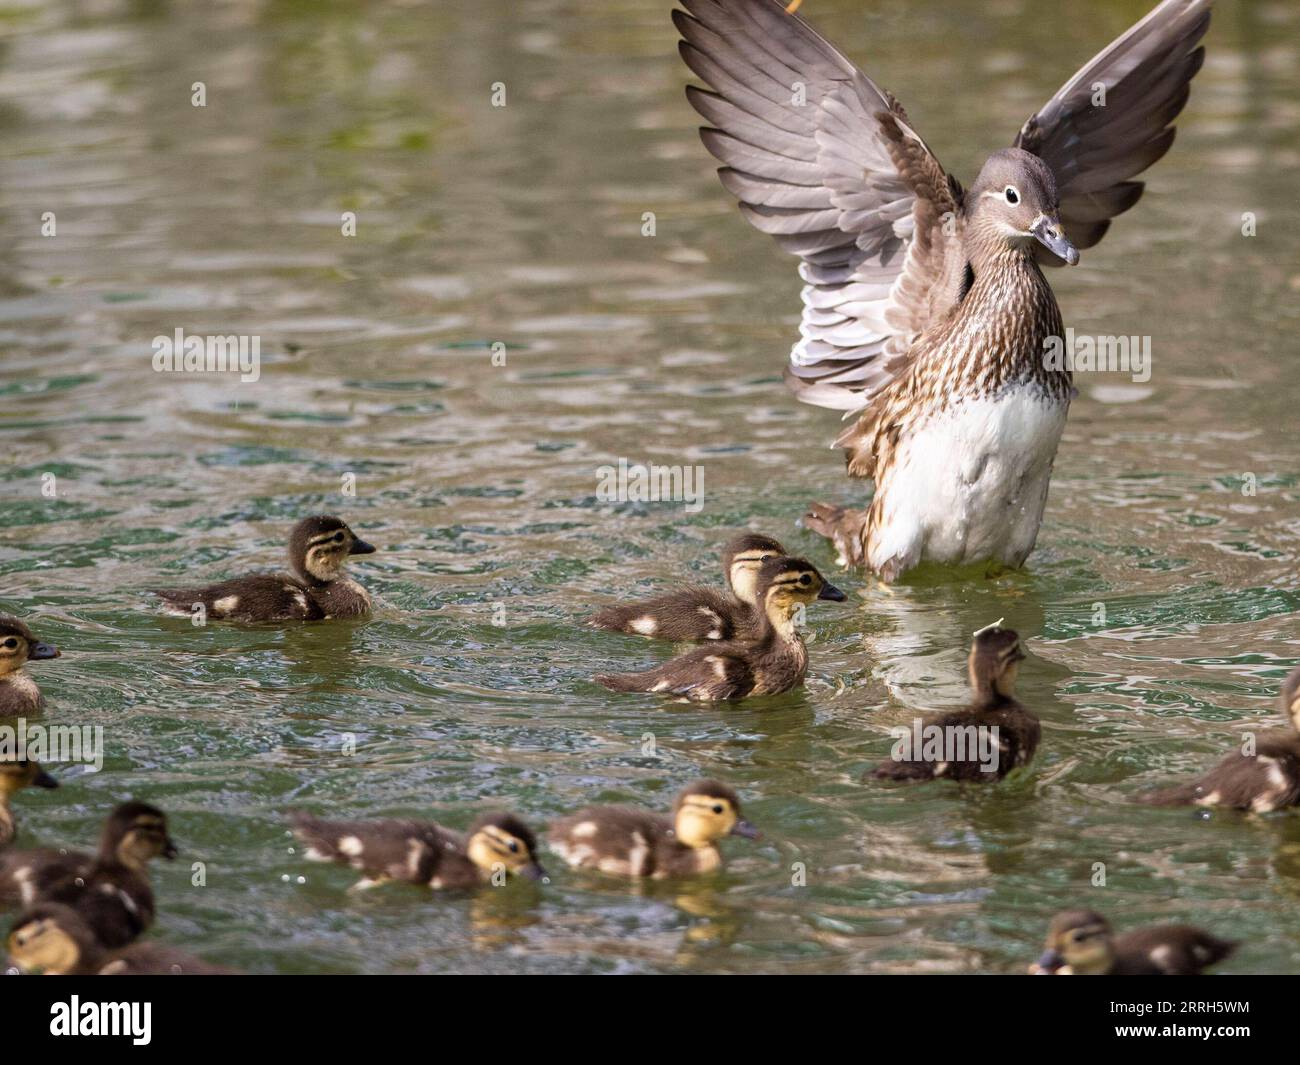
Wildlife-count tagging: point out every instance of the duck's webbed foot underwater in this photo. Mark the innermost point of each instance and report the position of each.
(846, 529)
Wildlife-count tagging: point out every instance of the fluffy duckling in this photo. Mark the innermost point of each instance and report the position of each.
(55, 940)
(697, 613)
(1081, 943)
(14, 776)
(995, 658)
(627, 841)
(318, 549)
(775, 661)
(1261, 782)
(110, 889)
(421, 852)
(18, 692)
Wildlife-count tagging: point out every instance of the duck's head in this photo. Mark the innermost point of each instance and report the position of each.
(22, 773)
(1078, 944)
(785, 584)
(995, 657)
(742, 558)
(706, 811)
(319, 547)
(18, 645)
(1014, 203)
(135, 834)
(1291, 697)
(50, 939)
(502, 841)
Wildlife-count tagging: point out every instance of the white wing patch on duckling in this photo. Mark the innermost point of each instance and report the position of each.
(639, 853)
(577, 855)
(1278, 786)
(414, 850)
(584, 830)
(26, 889)
(1162, 956)
(227, 604)
(714, 633)
(646, 626)
(351, 846)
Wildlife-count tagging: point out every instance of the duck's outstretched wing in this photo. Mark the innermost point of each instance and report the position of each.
(825, 161)
(1113, 119)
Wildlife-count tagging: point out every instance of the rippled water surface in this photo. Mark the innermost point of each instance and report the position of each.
(1159, 606)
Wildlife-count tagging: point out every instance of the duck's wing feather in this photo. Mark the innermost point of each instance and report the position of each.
(1095, 148)
(824, 160)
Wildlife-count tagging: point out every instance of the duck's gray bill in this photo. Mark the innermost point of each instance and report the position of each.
(1052, 236)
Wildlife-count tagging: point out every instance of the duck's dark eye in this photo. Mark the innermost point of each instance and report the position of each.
(1011, 194)
(717, 809)
(338, 537)
(514, 847)
(11, 643)
(805, 579)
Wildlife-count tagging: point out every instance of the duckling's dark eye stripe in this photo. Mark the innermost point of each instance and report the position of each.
(503, 844)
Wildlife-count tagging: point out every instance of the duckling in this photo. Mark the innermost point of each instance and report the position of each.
(1261, 782)
(18, 692)
(14, 776)
(697, 613)
(318, 548)
(775, 661)
(995, 658)
(110, 889)
(627, 841)
(1081, 943)
(55, 940)
(421, 852)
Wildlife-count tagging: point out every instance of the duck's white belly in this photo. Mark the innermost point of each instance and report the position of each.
(970, 484)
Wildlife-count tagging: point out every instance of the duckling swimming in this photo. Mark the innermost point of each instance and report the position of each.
(110, 890)
(317, 588)
(55, 940)
(775, 661)
(700, 613)
(14, 776)
(1081, 943)
(421, 852)
(1267, 780)
(19, 694)
(627, 841)
(1011, 731)
(925, 306)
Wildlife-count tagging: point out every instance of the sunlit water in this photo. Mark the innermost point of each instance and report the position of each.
(1159, 606)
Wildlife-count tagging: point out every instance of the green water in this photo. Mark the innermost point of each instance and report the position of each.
(522, 225)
